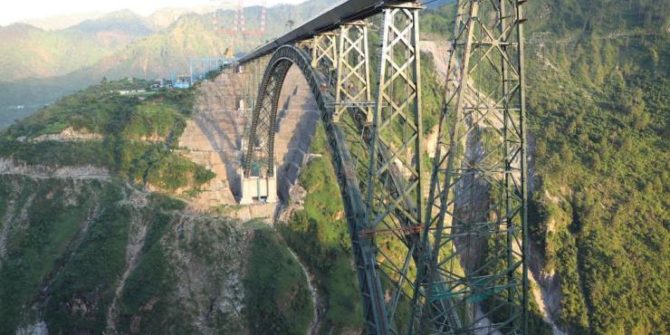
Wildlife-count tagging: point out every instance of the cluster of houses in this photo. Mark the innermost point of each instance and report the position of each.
(180, 82)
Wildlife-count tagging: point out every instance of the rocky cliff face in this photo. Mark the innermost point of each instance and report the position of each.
(91, 243)
(84, 255)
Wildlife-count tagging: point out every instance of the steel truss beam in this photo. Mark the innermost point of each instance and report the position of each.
(252, 74)
(476, 233)
(329, 20)
(394, 182)
(259, 156)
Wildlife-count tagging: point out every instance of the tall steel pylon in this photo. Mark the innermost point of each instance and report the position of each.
(394, 185)
(476, 270)
(353, 89)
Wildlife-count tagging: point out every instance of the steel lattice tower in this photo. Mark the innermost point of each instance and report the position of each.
(475, 277)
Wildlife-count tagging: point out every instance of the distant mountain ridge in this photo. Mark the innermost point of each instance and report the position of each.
(59, 22)
(38, 66)
(28, 51)
(120, 21)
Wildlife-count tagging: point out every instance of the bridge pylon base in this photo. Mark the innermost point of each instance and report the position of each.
(255, 189)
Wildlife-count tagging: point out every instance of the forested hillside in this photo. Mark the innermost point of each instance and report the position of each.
(96, 235)
(599, 116)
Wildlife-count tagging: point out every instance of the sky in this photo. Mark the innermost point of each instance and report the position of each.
(16, 11)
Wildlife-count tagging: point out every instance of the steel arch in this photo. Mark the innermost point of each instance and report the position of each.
(264, 119)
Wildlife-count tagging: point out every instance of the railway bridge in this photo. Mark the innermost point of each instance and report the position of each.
(438, 233)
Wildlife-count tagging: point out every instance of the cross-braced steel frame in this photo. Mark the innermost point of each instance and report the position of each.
(441, 252)
(395, 172)
(259, 156)
(324, 55)
(477, 199)
(352, 88)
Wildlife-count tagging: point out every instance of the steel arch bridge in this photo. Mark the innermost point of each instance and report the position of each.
(438, 250)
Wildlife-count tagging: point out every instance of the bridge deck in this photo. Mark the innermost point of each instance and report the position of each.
(344, 11)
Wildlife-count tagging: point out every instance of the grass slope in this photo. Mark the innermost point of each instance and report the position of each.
(320, 236)
(138, 135)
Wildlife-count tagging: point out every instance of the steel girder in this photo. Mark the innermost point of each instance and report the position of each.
(329, 20)
(395, 169)
(477, 203)
(260, 148)
(252, 74)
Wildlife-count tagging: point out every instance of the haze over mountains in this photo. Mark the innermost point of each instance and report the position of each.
(61, 21)
(38, 66)
(163, 17)
(30, 52)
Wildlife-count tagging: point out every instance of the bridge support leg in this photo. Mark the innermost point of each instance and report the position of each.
(252, 74)
(258, 189)
(324, 54)
(259, 162)
(394, 188)
(479, 177)
(352, 89)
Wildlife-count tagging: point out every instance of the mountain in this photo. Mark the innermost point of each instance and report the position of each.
(96, 235)
(163, 18)
(27, 51)
(121, 22)
(38, 66)
(96, 231)
(602, 123)
(119, 45)
(60, 22)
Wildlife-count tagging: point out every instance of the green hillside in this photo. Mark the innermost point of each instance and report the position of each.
(29, 52)
(599, 116)
(124, 122)
(96, 237)
(40, 67)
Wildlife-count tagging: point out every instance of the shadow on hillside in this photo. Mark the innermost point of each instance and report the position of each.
(299, 107)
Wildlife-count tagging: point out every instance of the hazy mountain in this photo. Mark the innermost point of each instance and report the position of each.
(120, 45)
(59, 22)
(27, 51)
(163, 18)
(123, 22)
